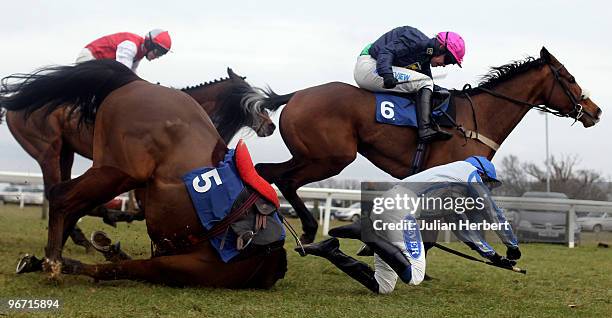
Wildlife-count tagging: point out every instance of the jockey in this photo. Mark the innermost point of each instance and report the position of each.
(405, 257)
(400, 60)
(127, 48)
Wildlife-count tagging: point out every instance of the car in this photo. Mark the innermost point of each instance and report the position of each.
(30, 194)
(352, 213)
(596, 222)
(544, 226)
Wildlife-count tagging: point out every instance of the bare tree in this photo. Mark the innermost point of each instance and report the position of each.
(565, 177)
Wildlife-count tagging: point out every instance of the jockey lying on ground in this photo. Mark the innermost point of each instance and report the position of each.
(400, 253)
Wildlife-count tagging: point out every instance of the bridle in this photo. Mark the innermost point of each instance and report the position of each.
(577, 111)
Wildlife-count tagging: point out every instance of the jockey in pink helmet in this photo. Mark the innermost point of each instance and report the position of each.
(406, 55)
(128, 48)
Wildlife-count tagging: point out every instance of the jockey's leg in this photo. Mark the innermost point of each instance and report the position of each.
(428, 132)
(359, 271)
(350, 231)
(401, 250)
(412, 82)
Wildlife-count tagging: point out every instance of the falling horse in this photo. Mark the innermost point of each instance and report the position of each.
(149, 136)
(325, 126)
(53, 138)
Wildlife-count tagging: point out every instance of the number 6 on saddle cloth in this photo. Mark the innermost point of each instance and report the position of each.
(217, 191)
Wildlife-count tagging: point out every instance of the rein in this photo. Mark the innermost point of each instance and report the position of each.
(577, 112)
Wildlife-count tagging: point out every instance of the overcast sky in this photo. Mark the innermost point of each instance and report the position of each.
(292, 45)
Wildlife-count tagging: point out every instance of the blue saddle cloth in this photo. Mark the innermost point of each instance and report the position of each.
(213, 191)
(400, 111)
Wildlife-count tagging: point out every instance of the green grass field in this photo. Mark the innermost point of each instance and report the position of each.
(560, 282)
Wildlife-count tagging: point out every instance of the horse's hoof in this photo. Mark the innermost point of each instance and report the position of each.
(53, 269)
(100, 241)
(28, 264)
(307, 238)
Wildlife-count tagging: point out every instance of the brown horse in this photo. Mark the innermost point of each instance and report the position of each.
(149, 136)
(325, 126)
(53, 139)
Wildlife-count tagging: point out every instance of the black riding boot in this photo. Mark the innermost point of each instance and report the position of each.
(359, 271)
(393, 257)
(350, 231)
(428, 132)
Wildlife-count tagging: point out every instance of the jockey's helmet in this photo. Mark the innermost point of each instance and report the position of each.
(486, 169)
(158, 40)
(454, 44)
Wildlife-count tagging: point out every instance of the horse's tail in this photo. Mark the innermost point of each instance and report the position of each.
(82, 86)
(258, 98)
(274, 101)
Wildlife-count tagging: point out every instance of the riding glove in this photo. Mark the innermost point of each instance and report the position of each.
(389, 81)
(501, 261)
(513, 253)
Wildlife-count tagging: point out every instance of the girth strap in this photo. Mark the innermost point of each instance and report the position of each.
(220, 227)
(485, 140)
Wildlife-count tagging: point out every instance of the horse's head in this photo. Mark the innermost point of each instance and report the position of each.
(233, 104)
(566, 96)
(258, 117)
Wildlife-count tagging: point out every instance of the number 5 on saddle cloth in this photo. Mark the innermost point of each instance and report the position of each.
(217, 191)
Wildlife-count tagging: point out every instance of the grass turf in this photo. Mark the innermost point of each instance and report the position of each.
(560, 282)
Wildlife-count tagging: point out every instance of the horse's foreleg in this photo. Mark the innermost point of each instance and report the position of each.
(200, 268)
(70, 200)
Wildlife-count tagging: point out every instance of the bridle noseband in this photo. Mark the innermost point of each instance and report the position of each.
(578, 110)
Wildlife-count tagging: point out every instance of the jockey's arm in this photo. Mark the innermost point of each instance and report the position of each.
(471, 238)
(495, 215)
(126, 52)
(384, 61)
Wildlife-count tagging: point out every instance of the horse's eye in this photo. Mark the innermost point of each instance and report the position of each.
(572, 80)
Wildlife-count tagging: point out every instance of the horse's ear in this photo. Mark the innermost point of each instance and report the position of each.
(545, 55)
(233, 75)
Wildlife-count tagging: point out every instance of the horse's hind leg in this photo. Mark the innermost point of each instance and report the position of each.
(281, 175)
(70, 200)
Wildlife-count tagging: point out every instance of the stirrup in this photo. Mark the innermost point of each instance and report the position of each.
(431, 135)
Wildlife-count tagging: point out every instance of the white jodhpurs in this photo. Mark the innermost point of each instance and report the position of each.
(367, 78)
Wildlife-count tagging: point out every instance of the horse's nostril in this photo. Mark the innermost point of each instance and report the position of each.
(598, 112)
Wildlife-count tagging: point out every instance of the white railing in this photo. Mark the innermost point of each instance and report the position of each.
(519, 203)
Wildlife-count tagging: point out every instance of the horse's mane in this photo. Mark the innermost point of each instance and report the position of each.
(500, 74)
(240, 106)
(201, 85)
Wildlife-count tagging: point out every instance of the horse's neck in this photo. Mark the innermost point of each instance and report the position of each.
(207, 96)
(497, 117)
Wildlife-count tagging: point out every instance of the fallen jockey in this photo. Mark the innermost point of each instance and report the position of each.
(400, 253)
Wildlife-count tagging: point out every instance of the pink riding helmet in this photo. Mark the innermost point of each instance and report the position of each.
(454, 43)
